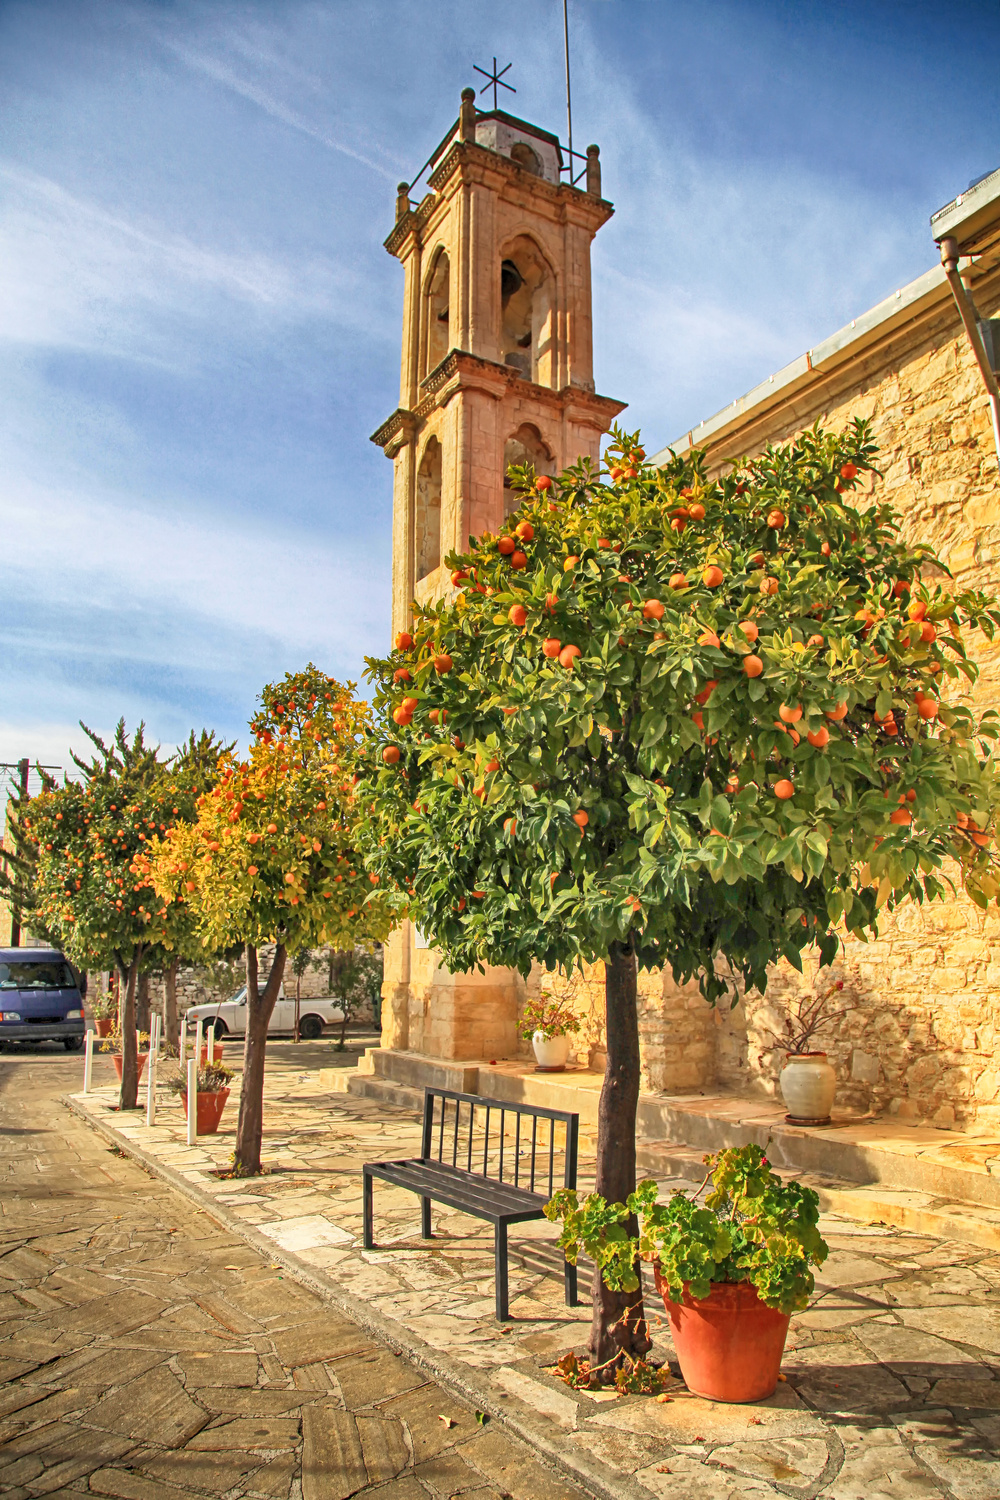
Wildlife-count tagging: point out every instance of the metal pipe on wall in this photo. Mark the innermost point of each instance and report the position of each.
(950, 257)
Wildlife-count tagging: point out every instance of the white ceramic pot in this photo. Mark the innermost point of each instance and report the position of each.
(808, 1084)
(551, 1052)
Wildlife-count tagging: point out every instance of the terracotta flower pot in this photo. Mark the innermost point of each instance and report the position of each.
(116, 1058)
(104, 1025)
(550, 1052)
(216, 1054)
(210, 1107)
(729, 1345)
(808, 1083)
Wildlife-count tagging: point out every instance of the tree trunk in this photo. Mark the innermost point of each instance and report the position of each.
(126, 1015)
(619, 1321)
(142, 1003)
(260, 1007)
(171, 1024)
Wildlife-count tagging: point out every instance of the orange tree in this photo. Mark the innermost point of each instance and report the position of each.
(270, 857)
(88, 839)
(673, 721)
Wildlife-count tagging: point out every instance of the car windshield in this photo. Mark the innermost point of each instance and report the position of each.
(53, 975)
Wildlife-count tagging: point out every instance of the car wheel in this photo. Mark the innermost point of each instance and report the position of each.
(221, 1030)
(72, 1043)
(310, 1028)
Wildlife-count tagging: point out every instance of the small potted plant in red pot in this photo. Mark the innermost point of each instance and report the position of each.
(104, 1009)
(731, 1273)
(213, 1091)
(113, 1043)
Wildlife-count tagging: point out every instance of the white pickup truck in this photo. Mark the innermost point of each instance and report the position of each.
(230, 1017)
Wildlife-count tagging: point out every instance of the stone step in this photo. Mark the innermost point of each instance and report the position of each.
(870, 1203)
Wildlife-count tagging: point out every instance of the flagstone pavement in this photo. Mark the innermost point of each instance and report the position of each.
(148, 1353)
(892, 1377)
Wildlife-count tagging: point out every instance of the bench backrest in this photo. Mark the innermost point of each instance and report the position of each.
(514, 1143)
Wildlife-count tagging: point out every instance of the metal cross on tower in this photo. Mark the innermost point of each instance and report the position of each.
(494, 80)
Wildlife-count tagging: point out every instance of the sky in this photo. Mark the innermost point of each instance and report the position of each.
(199, 326)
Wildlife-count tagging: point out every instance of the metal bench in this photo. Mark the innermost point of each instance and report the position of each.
(450, 1172)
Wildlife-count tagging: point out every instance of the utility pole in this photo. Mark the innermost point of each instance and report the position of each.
(15, 914)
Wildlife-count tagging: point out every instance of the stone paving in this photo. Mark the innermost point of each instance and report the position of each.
(892, 1377)
(149, 1353)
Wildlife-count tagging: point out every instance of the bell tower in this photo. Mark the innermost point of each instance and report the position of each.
(497, 356)
(496, 369)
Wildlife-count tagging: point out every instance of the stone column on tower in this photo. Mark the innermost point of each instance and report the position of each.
(496, 369)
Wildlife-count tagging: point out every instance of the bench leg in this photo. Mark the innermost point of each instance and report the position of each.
(569, 1277)
(500, 1261)
(366, 1213)
(425, 1219)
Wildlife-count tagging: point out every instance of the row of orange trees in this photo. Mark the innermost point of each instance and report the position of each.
(658, 720)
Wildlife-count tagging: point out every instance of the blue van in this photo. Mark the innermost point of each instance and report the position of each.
(40, 998)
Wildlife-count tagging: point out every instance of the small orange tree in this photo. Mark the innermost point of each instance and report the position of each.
(271, 857)
(89, 838)
(668, 721)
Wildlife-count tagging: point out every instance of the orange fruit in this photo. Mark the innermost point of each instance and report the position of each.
(581, 819)
(783, 790)
(443, 663)
(826, 549)
(712, 576)
(404, 641)
(678, 581)
(518, 560)
(510, 827)
(698, 719)
(696, 512)
(409, 704)
(570, 563)
(753, 666)
(776, 519)
(815, 640)
(517, 614)
(709, 638)
(506, 545)
(927, 708)
(749, 629)
(795, 736)
(390, 755)
(678, 524)
(790, 713)
(838, 713)
(652, 610)
(818, 738)
(543, 483)
(706, 692)
(917, 609)
(401, 717)
(982, 839)
(901, 817)
(252, 870)
(525, 531)
(402, 674)
(568, 655)
(768, 586)
(458, 575)
(848, 471)
(551, 647)
(928, 632)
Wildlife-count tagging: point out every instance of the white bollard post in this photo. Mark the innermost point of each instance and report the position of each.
(181, 1040)
(154, 1042)
(210, 1042)
(192, 1081)
(88, 1060)
(198, 1042)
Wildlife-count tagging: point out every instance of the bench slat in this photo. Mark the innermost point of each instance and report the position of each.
(483, 1197)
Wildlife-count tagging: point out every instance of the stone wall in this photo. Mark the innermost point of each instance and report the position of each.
(919, 1032)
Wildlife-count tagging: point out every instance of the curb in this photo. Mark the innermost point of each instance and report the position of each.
(543, 1437)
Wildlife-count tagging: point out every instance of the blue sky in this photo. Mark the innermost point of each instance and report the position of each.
(199, 326)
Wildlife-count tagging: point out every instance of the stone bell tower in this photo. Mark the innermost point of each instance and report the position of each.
(496, 368)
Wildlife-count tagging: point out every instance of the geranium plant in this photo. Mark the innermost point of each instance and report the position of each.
(664, 720)
(753, 1227)
(549, 1017)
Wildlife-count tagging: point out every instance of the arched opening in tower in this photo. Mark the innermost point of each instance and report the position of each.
(427, 530)
(436, 334)
(526, 298)
(525, 446)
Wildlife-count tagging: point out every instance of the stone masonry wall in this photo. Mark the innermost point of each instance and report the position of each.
(919, 1039)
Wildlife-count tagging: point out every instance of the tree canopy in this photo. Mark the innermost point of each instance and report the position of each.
(708, 720)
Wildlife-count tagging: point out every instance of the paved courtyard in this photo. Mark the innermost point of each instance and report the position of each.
(148, 1352)
(892, 1378)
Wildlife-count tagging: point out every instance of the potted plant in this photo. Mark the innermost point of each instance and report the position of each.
(113, 1043)
(731, 1273)
(808, 1081)
(547, 1024)
(104, 1010)
(213, 1091)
